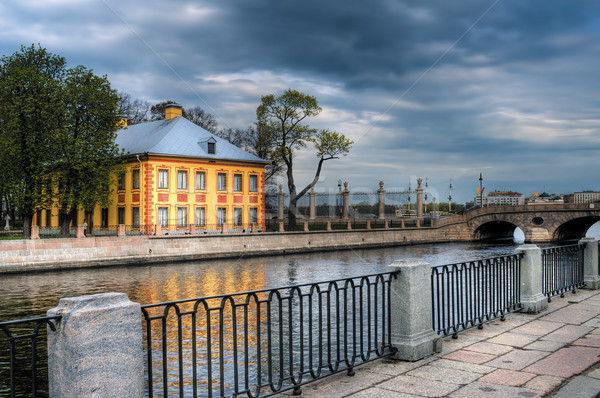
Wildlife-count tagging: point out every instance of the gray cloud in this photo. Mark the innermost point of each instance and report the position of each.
(516, 98)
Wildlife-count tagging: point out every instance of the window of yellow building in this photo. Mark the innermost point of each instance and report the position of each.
(135, 179)
(222, 182)
(237, 182)
(221, 216)
(182, 177)
(135, 216)
(253, 215)
(163, 216)
(253, 183)
(237, 217)
(200, 216)
(163, 179)
(121, 182)
(104, 218)
(200, 180)
(182, 216)
(121, 215)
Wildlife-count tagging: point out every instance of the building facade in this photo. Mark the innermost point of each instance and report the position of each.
(586, 197)
(177, 174)
(499, 198)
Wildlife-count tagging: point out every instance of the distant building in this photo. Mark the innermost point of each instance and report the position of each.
(586, 197)
(545, 198)
(500, 198)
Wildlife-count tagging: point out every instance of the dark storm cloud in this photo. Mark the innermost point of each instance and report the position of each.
(439, 89)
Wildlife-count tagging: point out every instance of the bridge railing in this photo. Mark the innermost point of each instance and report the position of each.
(266, 341)
(562, 269)
(470, 293)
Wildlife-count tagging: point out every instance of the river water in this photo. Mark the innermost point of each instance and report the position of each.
(30, 295)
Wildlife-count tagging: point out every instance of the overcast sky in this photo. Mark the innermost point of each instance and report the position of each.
(431, 89)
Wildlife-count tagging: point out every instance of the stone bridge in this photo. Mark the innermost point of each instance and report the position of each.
(539, 222)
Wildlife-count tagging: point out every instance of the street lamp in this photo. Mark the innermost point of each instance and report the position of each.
(338, 201)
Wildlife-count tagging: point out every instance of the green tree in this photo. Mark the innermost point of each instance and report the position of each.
(30, 89)
(86, 153)
(281, 129)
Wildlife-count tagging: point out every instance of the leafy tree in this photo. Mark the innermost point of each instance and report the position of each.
(136, 111)
(202, 118)
(87, 153)
(30, 89)
(282, 131)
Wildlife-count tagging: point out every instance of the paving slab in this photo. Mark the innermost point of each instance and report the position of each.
(518, 359)
(469, 367)
(595, 373)
(469, 356)
(448, 375)
(567, 333)
(507, 377)
(567, 315)
(380, 393)
(566, 362)
(341, 385)
(489, 348)
(544, 383)
(544, 345)
(594, 323)
(392, 367)
(418, 386)
(580, 387)
(589, 340)
(537, 328)
(449, 344)
(488, 390)
(513, 339)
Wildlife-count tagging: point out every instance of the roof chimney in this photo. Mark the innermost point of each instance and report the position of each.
(172, 111)
(122, 121)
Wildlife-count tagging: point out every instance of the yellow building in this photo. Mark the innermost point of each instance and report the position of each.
(177, 174)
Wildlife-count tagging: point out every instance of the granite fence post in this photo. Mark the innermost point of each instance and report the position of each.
(532, 298)
(412, 332)
(590, 263)
(96, 350)
(35, 232)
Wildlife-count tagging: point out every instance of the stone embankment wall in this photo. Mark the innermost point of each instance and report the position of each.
(49, 254)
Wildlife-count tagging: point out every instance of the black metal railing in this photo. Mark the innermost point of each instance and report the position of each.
(264, 342)
(23, 357)
(470, 293)
(562, 269)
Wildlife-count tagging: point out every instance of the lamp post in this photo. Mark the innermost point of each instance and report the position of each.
(338, 201)
(480, 190)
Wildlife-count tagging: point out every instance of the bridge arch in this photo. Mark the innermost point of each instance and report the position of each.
(575, 228)
(495, 230)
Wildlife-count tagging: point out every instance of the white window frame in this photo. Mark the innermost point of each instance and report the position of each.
(253, 183)
(253, 215)
(163, 179)
(182, 179)
(200, 216)
(182, 217)
(238, 184)
(163, 216)
(221, 181)
(221, 216)
(200, 180)
(135, 217)
(238, 214)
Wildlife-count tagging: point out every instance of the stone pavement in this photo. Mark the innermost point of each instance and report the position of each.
(552, 354)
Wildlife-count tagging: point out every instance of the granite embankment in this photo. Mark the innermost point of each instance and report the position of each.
(51, 254)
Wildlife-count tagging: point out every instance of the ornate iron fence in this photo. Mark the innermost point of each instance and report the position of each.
(23, 357)
(562, 270)
(468, 294)
(264, 342)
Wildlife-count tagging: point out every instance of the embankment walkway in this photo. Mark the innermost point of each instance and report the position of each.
(551, 354)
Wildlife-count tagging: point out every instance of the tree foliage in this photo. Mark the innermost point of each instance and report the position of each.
(56, 132)
(282, 132)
